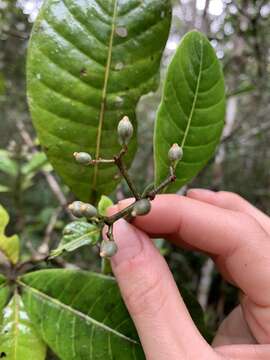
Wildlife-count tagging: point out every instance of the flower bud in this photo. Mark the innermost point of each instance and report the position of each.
(88, 210)
(175, 153)
(125, 130)
(76, 208)
(82, 157)
(108, 248)
(142, 207)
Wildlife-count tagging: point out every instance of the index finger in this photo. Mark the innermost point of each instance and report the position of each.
(235, 238)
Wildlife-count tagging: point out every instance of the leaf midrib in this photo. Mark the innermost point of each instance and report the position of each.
(194, 99)
(76, 312)
(104, 94)
(16, 321)
(90, 233)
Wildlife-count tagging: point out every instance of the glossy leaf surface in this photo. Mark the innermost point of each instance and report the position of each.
(18, 338)
(89, 62)
(76, 235)
(192, 109)
(9, 246)
(80, 315)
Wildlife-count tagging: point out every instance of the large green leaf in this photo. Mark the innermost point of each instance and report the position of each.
(89, 62)
(80, 315)
(18, 338)
(9, 246)
(192, 109)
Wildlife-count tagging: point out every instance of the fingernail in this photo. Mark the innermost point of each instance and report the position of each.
(119, 206)
(128, 240)
(126, 201)
(200, 191)
(112, 210)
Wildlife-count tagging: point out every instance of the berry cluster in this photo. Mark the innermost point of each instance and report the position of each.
(142, 203)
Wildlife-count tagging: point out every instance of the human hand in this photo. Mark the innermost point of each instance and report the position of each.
(237, 237)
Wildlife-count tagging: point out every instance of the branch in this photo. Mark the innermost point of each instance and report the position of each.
(45, 245)
(17, 34)
(123, 170)
(53, 184)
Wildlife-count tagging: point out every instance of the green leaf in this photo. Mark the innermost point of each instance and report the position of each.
(76, 235)
(192, 109)
(104, 203)
(9, 246)
(18, 338)
(37, 161)
(80, 315)
(7, 165)
(89, 62)
(4, 293)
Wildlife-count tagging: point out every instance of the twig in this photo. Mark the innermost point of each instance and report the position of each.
(123, 170)
(171, 178)
(53, 184)
(149, 195)
(17, 34)
(121, 214)
(45, 245)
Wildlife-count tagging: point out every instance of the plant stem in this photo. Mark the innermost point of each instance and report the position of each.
(149, 195)
(123, 170)
(171, 178)
(121, 214)
(102, 161)
(106, 268)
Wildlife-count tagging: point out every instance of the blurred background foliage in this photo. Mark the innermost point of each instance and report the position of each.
(36, 198)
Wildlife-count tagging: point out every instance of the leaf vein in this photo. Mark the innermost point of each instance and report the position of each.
(104, 94)
(63, 37)
(82, 25)
(75, 312)
(195, 98)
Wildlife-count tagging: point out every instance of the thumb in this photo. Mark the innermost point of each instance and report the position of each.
(152, 298)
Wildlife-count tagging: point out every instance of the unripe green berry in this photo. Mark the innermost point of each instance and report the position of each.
(76, 208)
(88, 210)
(175, 153)
(108, 248)
(125, 130)
(142, 207)
(82, 157)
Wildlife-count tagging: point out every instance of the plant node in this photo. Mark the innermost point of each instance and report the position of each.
(142, 204)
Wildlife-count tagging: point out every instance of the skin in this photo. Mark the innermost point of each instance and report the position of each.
(237, 237)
